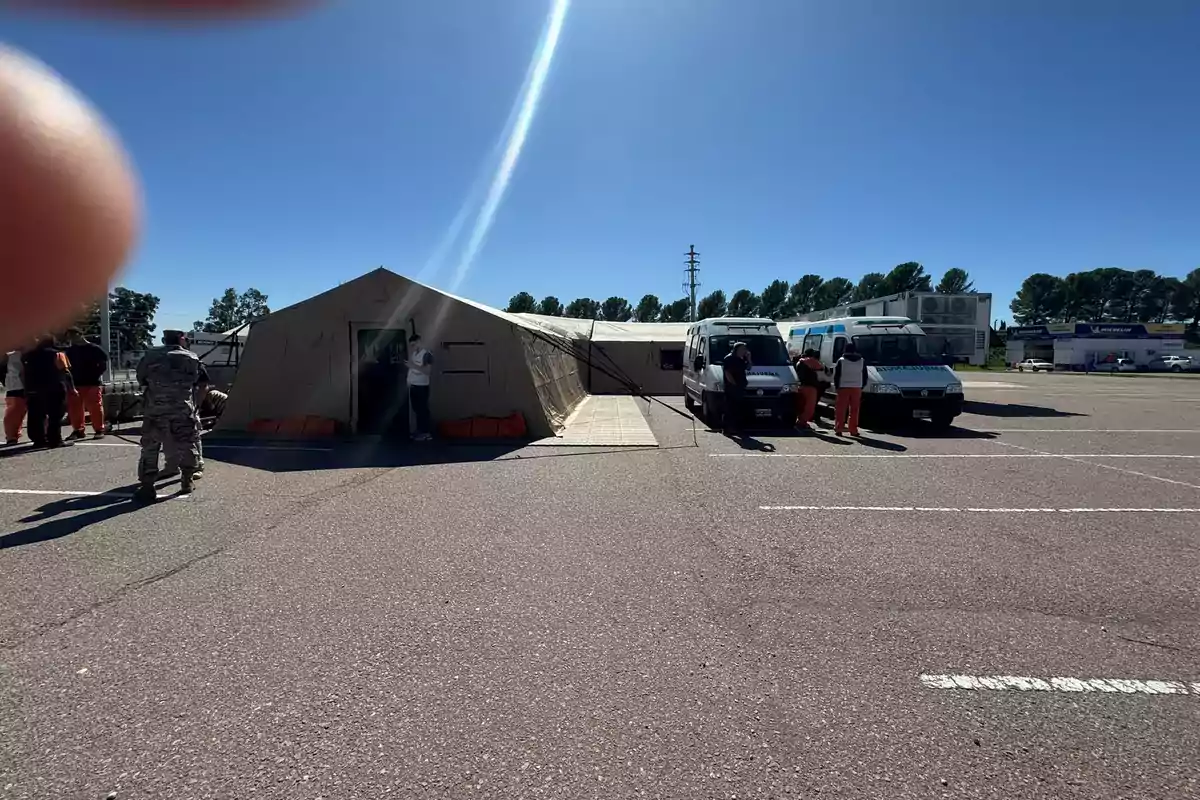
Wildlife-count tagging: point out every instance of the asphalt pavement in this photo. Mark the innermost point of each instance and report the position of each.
(778, 616)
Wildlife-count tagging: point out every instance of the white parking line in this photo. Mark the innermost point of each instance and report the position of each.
(1091, 430)
(64, 493)
(977, 510)
(1029, 454)
(1002, 683)
(1079, 459)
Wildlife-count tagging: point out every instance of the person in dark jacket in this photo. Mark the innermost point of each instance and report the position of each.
(849, 379)
(809, 370)
(47, 385)
(89, 362)
(734, 366)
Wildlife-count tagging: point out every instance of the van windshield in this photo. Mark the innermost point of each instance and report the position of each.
(900, 350)
(765, 351)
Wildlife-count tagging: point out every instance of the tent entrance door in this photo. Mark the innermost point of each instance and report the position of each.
(382, 396)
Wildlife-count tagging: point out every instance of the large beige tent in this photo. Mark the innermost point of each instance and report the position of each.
(648, 354)
(340, 356)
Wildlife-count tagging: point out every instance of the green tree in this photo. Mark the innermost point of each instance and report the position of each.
(834, 292)
(131, 320)
(676, 311)
(714, 305)
(955, 281)
(583, 308)
(774, 300)
(616, 309)
(1039, 300)
(907, 277)
(1185, 303)
(521, 303)
(551, 306)
(649, 309)
(802, 297)
(744, 303)
(870, 286)
(231, 310)
(1154, 305)
(1083, 298)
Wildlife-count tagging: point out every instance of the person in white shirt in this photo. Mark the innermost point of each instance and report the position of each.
(420, 367)
(849, 379)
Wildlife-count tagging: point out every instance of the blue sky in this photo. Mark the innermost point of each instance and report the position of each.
(779, 136)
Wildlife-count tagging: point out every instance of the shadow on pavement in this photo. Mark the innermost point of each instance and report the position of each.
(1010, 410)
(95, 508)
(879, 444)
(274, 456)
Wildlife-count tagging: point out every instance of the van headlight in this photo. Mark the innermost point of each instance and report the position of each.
(954, 388)
(789, 388)
(885, 388)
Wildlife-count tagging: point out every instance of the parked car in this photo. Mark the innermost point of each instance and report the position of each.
(1118, 365)
(1171, 364)
(1035, 365)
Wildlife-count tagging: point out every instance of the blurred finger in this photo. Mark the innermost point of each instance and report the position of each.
(69, 205)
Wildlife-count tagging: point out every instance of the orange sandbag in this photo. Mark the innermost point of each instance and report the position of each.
(485, 428)
(512, 427)
(292, 426)
(319, 426)
(455, 429)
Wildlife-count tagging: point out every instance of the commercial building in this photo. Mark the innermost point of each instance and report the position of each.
(1091, 345)
(956, 326)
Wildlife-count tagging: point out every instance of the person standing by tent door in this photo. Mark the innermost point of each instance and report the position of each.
(420, 367)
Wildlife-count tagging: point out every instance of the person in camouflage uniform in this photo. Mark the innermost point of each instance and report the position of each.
(168, 376)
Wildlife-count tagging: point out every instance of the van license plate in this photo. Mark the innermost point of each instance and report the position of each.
(920, 413)
(762, 412)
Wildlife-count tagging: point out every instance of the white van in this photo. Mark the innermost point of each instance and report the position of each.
(901, 383)
(771, 389)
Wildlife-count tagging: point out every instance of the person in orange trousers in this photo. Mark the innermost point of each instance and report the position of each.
(88, 365)
(808, 370)
(849, 378)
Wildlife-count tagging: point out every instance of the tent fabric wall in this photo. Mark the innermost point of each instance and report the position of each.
(628, 350)
(300, 360)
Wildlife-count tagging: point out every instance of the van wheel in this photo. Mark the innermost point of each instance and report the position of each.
(689, 403)
(941, 421)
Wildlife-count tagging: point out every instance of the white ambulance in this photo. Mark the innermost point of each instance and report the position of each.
(902, 384)
(771, 381)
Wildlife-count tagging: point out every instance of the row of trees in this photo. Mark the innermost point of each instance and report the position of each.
(778, 300)
(131, 316)
(1109, 294)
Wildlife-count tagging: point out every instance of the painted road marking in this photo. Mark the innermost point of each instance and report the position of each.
(1029, 454)
(1079, 459)
(60, 493)
(216, 446)
(1002, 683)
(1091, 430)
(976, 510)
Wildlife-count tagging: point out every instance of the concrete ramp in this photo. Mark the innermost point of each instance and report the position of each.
(604, 421)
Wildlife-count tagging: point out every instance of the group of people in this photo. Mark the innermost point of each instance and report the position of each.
(849, 379)
(45, 381)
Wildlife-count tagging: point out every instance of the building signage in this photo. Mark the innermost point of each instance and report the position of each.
(1097, 330)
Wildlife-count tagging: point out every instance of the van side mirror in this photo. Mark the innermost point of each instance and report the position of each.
(698, 364)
